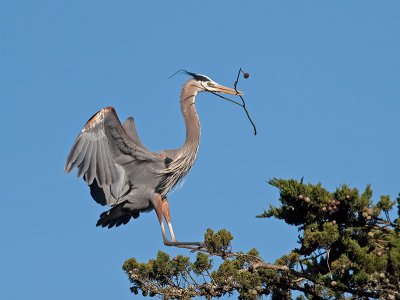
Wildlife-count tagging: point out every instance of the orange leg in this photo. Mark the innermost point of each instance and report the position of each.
(159, 212)
(167, 216)
(162, 210)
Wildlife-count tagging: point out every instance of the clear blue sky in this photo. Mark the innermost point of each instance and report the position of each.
(324, 92)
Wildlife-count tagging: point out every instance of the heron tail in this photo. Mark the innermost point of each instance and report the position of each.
(116, 216)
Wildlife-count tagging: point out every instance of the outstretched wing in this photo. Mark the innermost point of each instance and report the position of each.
(102, 151)
(130, 128)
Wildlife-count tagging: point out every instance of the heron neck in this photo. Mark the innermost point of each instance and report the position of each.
(188, 96)
(185, 156)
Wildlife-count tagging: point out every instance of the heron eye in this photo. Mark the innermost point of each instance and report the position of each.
(209, 83)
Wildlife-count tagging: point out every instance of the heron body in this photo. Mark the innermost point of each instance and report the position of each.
(122, 173)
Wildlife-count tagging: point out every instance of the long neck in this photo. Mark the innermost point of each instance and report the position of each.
(185, 156)
(190, 116)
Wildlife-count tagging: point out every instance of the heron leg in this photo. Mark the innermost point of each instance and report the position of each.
(162, 210)
(159, 212)
(167, 216)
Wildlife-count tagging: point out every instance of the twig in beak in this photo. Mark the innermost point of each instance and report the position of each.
(243, 104)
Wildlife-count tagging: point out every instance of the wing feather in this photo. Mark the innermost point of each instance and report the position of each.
(75, 151)
(101, 169)
(130, 128)
(91, 168)
(81, 155)
(83, 167)
(109, 164)
(102, 151)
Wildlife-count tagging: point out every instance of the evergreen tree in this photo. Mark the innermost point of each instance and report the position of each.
(348, 248)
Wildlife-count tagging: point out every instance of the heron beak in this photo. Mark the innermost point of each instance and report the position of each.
(215, 87)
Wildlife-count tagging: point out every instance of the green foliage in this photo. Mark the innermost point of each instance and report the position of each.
(347, 246)
(321, 237)
(202, 264)
(385, 204)
(342, 236)
(290, 260)
(218, 243)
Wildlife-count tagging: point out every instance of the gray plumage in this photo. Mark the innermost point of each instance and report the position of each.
(122, 173)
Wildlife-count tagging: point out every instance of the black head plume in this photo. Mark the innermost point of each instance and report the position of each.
(194, 75)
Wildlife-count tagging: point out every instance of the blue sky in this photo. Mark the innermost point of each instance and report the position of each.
(323, 91)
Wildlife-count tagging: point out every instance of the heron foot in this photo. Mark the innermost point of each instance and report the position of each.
(194, 246)
(202, 247)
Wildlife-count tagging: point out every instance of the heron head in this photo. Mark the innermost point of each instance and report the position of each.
(206, 84)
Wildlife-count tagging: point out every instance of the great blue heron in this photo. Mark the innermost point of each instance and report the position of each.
(122, 173)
